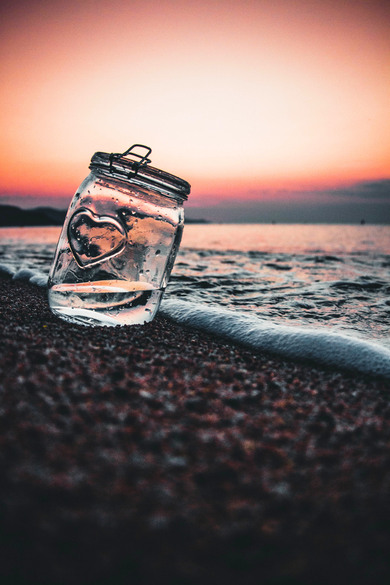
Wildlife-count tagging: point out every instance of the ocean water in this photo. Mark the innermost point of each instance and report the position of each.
(317, 291)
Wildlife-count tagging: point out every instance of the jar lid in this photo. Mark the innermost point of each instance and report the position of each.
(137, 170)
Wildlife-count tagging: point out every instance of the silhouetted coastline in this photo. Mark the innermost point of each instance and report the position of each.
(13, 216)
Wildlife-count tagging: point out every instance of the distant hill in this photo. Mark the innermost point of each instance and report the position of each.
(12, 216)
(187, 220)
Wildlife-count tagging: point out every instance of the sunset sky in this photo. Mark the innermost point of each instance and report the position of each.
(271, 109)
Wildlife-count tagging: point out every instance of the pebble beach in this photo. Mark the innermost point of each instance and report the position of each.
(159, 454)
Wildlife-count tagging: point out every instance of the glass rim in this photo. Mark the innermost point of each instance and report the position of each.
(128, 170)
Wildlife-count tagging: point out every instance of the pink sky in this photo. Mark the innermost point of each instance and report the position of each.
(244, 99)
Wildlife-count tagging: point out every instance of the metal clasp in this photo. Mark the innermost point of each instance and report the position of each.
(136, 164)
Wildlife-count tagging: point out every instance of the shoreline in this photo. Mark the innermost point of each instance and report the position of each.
(158, 454)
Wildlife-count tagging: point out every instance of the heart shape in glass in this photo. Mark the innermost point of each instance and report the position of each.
(94, 238)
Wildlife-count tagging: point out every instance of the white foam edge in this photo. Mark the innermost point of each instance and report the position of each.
(315, 344)
(33, 276)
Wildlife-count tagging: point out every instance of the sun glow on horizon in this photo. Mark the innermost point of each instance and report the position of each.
(232, 96)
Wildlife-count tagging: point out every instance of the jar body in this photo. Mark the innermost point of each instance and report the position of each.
(115, 253)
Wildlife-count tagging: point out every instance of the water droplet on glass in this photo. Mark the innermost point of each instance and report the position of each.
(158, 252)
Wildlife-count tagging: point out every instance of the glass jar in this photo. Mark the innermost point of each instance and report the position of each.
(119, 241)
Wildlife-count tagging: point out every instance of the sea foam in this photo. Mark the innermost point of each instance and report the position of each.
(315, 344)
(303, 343)
(33, 276)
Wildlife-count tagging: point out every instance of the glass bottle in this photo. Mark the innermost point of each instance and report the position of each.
(119, 241)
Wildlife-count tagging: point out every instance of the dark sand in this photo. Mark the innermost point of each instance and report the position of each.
(156, 454)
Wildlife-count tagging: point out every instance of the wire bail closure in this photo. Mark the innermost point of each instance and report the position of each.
(136, 164)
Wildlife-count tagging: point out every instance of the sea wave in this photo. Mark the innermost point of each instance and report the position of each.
(318, 345)
(294, 342)
(33, 276)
